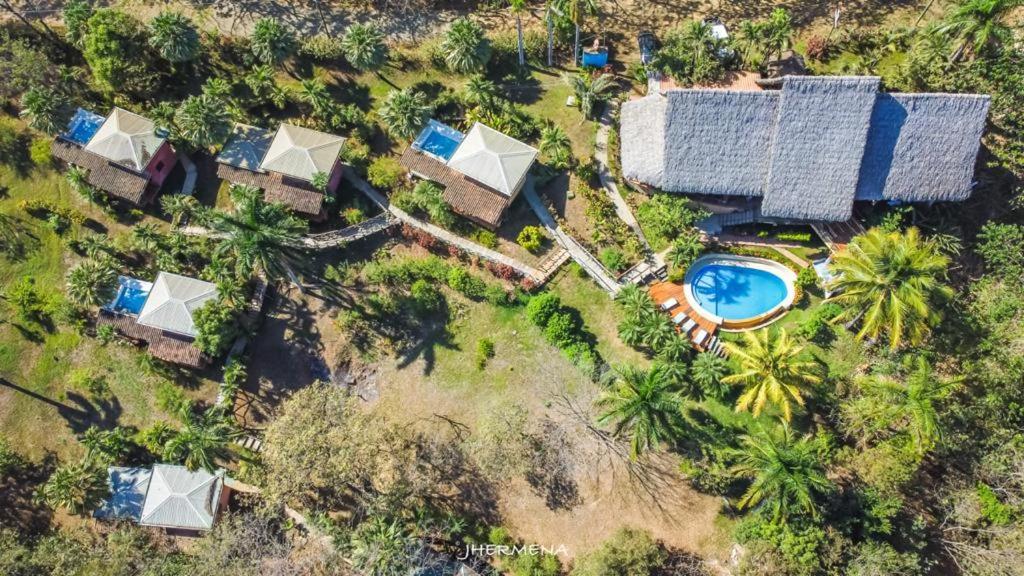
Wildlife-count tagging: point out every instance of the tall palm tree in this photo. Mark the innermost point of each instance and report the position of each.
(180, 207)
(913, 405)
(590, 90)
(264, 87)
(707, 371)
(642, 405)
(259, 237)
(555, 143)
(77, 487)
(517, 7)
(482, 92)
(314, 92)
(658, 330)
(891, 283)
(634, 300)
(271, 42)
(202, 440)
(146, 237)
(772, 371)
(977, 24)
(786, 471)
(576, 11)
(91, 283)
(405, 112)
(78, 179)
(465, 47)
(45, 109)
(174, 37)
(364, 47)
(686, 248)
(204, 120)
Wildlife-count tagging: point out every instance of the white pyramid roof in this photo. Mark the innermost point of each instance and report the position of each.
(301, 152)
(173, 300)
(178, 498)
(126, 139)
(493, 159)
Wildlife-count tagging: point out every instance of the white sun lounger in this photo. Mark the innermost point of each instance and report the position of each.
(669, 304)
(688, 325)
(700, 337)
(678, 318)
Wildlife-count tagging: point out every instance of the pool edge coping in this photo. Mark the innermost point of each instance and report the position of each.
(744, 324)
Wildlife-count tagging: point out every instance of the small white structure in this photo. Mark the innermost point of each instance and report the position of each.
(301, 153)
(493, 159)
(172, 301)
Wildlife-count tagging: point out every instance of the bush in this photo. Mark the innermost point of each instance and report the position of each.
(357, 153)
(40, 153)
(12, 146)
(807, 278)
(992, 509)
(562, 329)
(484, 352)
(613, 259)
(666, 216)
(799, 544)
(485, 238)
(875, 558)
(816, 48)
(816, 327)
(542, 307)
(322, 48)
(216, 327)
(531, 238)
(353, 216)
(629, 552)
(460, 280)
(794, 236)
(426, 298)
(385, 172)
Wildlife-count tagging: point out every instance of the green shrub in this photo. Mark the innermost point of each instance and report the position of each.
(992, 509)
(171, 399)
(817, 326)
(485, 238)
(460, 280)
(105, 334)
(562, 329)
(40, 153)
(799, 543)
(12, 145)
(322, 48)
(496, 295)
(629, 552)
(484, 352)
(807, 278)
(531, 238)
(353, 216)
(542, 307)
(385, 172)
(666, 216)
(426, 298)
(794, 236)
(875, 558)
(356, 152)
(216, 327)
(613, 259)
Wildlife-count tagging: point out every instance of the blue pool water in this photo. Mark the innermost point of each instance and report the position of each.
(438, 140)
(83, 126)
(737, 292)
(131, 295)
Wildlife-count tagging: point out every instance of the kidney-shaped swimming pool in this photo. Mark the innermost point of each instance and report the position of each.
(738, 291)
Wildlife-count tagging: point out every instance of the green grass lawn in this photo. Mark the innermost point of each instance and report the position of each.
(48, 361)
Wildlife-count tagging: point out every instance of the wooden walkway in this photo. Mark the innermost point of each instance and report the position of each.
(604, 174)
(837, 235)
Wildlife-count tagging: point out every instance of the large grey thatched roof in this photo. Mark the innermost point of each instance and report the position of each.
(809, 149)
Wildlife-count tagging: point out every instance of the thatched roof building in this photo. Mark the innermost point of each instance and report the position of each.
(808, 150)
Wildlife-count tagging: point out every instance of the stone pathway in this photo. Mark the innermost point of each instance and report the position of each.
(442, 234)
(604, 173)
(350, 234)
(591, 265)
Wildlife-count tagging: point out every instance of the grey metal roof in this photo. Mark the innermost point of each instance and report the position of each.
(172, 301)
(179, 498)
(810, 149)
(246, 147)
(721, 137)
(496, 160)
(128, 488)
(817, 147)
(922, 144)
(301, 153)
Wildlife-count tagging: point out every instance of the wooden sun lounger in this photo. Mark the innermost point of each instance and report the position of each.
(678, 318)
(700, 337)
(688, 325)
(669, 304)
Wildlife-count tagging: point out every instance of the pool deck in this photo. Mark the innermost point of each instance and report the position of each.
(664, 291)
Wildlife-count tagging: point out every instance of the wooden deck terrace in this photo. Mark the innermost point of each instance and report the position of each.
(664, 291)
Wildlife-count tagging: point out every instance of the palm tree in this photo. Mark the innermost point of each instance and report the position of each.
(890, 282)
(314, 92)
(777, 34)
(632, 331)
(45, 109)
(590, 90)
(642, 405)
(203, 120)
(913, 406)
(685, 249)
(271, 42)
(481, 91)
(264, 87)
(517, 7)
(202, 440)
(555, 144)
(405, 112)
(75, 15)
(146, 237)
(786, 472)
(174, 37)
(675, 349)
(381, 547)
(465, 46)
(76, 487)
(707, 371)
(364, 47)
(658, 330)
(634, 300)
(91, 283)
(576, 11)
(180, 207)
(78, 179)
(978, 24)
(772, 370)
(259, 237)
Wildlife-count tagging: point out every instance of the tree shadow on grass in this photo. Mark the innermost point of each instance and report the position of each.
(436, 337)
(551, 474)
(80, 413)
(18, 509)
